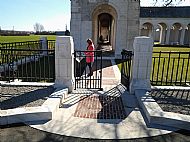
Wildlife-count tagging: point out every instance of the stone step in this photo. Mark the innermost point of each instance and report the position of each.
(34, 114)
(156, 115)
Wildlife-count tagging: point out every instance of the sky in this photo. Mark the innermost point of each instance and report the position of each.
(54, 15)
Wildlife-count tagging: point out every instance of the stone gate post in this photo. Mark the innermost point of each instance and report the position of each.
(64, 63)
(44, 45)
(142, 64)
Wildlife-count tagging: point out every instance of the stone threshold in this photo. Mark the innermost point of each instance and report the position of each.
(154, 113)
(33, 114)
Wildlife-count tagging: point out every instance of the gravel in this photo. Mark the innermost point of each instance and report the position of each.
(177, 101)
(23, 96)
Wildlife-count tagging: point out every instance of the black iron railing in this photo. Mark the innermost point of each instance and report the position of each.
(51, 44)
(126, 67)
(33, 65)
(83, 79)
(22, 45)
(28, 45)
(171, 68)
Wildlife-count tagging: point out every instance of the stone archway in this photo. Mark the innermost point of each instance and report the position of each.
(104, 28)
(104, 19)
(146, 29)
(162, 33)
(175, 34)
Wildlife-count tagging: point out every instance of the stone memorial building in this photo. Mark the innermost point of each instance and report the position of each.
(112, 23)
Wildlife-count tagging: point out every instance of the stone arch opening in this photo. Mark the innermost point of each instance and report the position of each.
(187, 35)
(146, 29)
(161, 32)
(104, 28)
(104, 19)
(175, 34)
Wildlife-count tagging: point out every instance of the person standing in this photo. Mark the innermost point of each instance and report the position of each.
(90, 55)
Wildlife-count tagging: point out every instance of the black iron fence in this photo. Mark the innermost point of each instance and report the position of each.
(51, 44)
(22, 45)
(26, 61)
(171, 68)
(83, 77)
(126, 67)
(28, 45)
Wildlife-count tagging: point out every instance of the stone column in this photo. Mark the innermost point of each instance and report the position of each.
(162, 35)
(153, 35)
(44, 45)
(182, 37)
(168, 35)
(64, 63)
(142, 64)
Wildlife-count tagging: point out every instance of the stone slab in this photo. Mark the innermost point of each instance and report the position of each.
(28, 114)
(33, 114)
(156, 115)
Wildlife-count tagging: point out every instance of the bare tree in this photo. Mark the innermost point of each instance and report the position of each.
(168, 2)
(38, 27)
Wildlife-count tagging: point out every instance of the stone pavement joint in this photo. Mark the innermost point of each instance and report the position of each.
(100, 107)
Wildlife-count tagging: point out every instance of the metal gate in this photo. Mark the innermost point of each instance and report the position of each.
(81, 70)
(126, 67)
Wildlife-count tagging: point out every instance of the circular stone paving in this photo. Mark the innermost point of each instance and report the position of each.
(100, 117)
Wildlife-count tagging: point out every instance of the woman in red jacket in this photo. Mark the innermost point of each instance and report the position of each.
(90, 55)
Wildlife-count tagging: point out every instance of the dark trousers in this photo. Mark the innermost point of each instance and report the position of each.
(90, 67)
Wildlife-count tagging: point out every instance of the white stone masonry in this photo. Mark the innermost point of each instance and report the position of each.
(64, 66)
(142, 64)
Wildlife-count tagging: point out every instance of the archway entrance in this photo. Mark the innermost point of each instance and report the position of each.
(105, 24)
(104, 27)
(147, 29)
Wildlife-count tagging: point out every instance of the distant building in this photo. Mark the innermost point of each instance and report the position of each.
(60, 33)
(14, 33)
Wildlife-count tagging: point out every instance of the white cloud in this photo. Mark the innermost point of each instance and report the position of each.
(151, 3)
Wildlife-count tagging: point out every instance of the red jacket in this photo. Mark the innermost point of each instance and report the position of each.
(90, 55)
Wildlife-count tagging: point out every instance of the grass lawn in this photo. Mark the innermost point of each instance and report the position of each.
(5, 39)
(173, 49)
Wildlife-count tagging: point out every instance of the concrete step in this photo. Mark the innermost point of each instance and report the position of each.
(34, 114)
(155, 115)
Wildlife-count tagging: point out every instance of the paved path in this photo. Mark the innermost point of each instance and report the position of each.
(108, 114)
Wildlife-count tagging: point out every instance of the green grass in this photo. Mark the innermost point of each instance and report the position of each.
(173, 49)
(5, 39)
(173, 70)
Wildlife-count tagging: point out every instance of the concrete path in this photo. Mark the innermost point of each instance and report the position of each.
(108, 114)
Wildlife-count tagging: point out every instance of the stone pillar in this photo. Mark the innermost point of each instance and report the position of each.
(44, 45)
(153, 35)
(182, 37)
(64, 62)
(162, 35)
(142, 64)
(168, 35)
